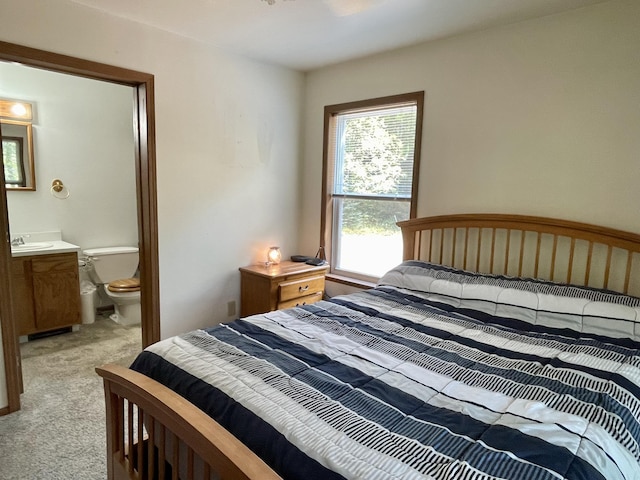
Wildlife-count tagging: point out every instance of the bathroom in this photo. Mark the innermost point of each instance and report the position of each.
(82, 136)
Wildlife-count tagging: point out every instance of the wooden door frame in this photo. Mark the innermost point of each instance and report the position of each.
(145, 159)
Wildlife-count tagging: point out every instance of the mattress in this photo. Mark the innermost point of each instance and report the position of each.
(435, 373)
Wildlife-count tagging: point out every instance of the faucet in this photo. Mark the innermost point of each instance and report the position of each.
(17, 241)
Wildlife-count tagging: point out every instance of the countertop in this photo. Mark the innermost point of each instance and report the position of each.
(57, 246)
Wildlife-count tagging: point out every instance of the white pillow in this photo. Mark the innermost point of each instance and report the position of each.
(538, 302)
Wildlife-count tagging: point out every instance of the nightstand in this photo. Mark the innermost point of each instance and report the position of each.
(285, 285)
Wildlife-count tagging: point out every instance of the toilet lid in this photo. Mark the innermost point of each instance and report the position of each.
(125, 285)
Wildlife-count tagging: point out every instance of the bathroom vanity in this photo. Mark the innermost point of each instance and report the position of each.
(45, 287)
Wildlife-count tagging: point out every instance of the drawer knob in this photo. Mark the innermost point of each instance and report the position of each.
(303, 289)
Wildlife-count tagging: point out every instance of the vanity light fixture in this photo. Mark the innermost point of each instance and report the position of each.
(15, 110)
(274, 256)
(18, 109)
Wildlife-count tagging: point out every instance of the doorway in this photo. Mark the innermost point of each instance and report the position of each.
(144, 139)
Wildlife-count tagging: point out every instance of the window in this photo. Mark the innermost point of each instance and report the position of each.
(371, 159)
(12, 159)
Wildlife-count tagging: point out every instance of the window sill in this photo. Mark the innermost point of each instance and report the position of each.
(352, 282)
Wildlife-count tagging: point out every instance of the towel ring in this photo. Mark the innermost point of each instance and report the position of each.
(57, 187)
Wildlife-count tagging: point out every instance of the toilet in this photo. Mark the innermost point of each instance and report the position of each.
(114, 267)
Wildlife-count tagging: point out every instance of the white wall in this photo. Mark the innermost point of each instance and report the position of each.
(227, 149)
(539, 117)
(83, 135)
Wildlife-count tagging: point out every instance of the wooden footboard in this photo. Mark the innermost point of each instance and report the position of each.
(153, 432)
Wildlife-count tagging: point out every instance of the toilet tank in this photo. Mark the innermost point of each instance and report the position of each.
(113, 263)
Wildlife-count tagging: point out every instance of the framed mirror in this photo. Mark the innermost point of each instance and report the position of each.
(17, 145)
(17, 155)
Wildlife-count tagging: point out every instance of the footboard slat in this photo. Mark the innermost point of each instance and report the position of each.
(141, 465)
(190, 460)
(161, 454)
(151, 451)
(175, 457)
(166, 433)
(130, 445)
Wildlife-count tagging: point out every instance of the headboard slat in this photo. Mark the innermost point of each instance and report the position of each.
(466, 243)
(627, 276)
(493, 249)
(478, 249)
(554, 251)
(522, 238)
(454, 244)
(588, 269)
(607, 268)
(506, 253)
(535, 270)
(421, 243)
(570, 265)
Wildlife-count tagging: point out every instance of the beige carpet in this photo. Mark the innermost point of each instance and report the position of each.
(60, 431)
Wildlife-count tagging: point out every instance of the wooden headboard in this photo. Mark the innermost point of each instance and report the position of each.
(527, 246)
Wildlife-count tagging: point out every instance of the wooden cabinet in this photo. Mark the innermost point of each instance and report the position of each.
(45, 292)
(285, 285)
(22, 295)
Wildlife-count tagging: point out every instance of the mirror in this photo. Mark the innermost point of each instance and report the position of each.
(17, 155)
(17, 145)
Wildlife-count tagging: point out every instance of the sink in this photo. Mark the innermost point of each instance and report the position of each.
(30, 246)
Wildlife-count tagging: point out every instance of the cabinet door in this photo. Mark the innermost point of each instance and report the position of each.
(22, 296)
(56, 291)
(257, 294)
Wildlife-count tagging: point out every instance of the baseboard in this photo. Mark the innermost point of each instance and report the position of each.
(48, 333)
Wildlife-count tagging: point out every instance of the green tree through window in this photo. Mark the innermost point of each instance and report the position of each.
(371, 177)
(12, 159)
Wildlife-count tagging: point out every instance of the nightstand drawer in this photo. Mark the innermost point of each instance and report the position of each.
(298, 302)
(300, 288)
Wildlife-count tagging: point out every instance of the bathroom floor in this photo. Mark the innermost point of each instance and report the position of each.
(87, 334)
(59, 433)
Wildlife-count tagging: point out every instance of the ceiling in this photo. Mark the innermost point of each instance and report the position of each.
(307, 34)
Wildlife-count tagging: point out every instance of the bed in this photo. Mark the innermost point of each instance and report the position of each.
(503, 346)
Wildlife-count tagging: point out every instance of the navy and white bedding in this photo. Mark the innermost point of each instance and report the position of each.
(435, 373)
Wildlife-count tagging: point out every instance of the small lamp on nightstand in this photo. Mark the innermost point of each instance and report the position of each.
(274, 256)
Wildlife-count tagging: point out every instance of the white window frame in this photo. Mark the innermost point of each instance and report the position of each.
(331, 113)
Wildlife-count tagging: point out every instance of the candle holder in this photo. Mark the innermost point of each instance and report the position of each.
(274, 256)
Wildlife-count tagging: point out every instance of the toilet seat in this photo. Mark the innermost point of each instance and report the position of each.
(125, 285)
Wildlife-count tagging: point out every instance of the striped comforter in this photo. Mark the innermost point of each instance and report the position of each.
(392, 383)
